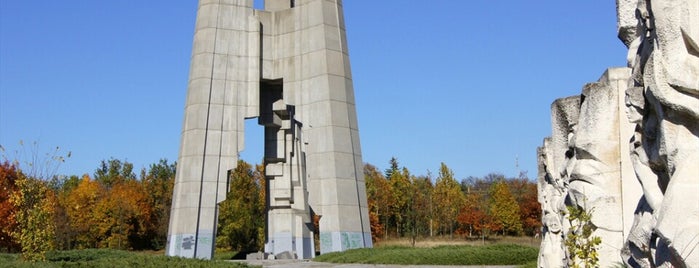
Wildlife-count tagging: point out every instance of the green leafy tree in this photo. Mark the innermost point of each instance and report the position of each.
(159, 181)
(240, 216)
(504, 209)
(581, 244)
(114, 171)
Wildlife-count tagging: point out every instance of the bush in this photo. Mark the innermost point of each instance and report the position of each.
(111, 258)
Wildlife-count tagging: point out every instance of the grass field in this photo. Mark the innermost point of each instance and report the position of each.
(475, 241)
(111, 258)
(499, 254)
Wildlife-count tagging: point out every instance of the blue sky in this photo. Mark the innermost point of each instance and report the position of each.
(467, 83)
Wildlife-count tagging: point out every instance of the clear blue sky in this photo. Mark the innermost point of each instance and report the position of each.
(468, 83)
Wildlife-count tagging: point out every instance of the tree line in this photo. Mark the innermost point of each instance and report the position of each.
(115, 208)
(405, 205)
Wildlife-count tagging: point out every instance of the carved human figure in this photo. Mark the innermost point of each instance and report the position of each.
(665, 58)
(551, 192)
(556, 158)
(640, 247)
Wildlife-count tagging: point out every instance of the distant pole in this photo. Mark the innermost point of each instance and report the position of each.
(517, 164)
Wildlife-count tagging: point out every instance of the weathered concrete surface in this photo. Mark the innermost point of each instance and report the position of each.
(288, 65)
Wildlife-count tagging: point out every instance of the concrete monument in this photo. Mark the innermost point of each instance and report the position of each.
(663, 102)
(599, 171)
(583, 167)
(661, 148)
(288, 66)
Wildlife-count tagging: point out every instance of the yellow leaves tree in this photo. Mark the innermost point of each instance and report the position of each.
(504, 209)
(34, 204)
(80, 206)
(401, 189)
(448, 199)
(120, 217)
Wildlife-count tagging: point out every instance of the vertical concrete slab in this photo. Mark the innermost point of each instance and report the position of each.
(212, 130)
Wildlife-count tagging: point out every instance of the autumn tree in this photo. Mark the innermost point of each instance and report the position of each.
(34, 203)
(123, 211)
(80, 206)
(526, 195)
(62, 187)
(401, 190)
(419, 213)
(448, 199)
(8, 179)
(474, 218)
(504, 209)
(240, 217)
(379, 198)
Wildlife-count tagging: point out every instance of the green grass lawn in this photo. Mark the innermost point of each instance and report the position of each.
(111, 258)
(506, 254)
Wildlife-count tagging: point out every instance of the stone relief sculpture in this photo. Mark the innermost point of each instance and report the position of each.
(664, 104)
(555, 157)
(653, 144)
(551, 193)
(596, 175)
(582, 168)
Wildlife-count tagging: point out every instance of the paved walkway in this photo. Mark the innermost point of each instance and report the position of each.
(312, 264)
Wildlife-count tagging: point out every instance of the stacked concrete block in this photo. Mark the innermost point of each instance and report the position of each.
(290, 58)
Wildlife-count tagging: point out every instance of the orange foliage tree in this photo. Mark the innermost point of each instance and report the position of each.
(80, 206)
(123, 214)
(379, 197)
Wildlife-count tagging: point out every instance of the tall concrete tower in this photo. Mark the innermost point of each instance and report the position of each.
(288, 66)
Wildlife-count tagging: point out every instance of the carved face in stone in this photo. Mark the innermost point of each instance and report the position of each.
(552, 222)
(634, 104)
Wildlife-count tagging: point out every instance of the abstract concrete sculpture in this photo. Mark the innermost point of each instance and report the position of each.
(663, 102)
(287, 65)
